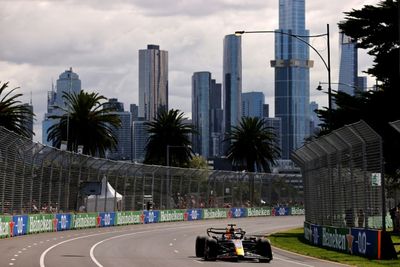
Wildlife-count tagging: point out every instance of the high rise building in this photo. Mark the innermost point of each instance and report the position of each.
(134, 111)
(266, 110)
(314, 119)
(292, 81)
(28, 123)
(216, 119)
(348, 78)
(232, 83)
(140, 136)
(201, 87)
(123, 134)
(68, 82)
(253, 104)
(153, 81)
(362, 83)
(276, 125)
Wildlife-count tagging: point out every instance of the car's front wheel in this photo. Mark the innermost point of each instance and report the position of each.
(200, 245)
(210, 249)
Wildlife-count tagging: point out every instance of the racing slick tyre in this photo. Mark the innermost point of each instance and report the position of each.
(200, 245)
(264, 249)
(210, 249)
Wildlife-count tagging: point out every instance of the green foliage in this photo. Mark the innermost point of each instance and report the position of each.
(198, 162)
(13, 115)
(90, 124)
(168, 133)
(376, 28)
(252, 145)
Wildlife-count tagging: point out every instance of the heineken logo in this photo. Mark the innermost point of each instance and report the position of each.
(84, 222)
(332, 239)
(128, 218)
(214, 214)
(4, 228)
(40, 224)
(171, 216)
(254, 212)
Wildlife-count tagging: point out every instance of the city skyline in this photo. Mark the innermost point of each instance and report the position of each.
(101, 43)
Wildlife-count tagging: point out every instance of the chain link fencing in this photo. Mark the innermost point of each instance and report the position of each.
(343, 178)
(37, 178)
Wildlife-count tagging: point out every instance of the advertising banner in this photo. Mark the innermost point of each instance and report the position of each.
(85, 220)
(280, 211)
(41, 223)
(193, 215)
(5, 229)
(19, 225)
(128, 217)
(151, 216)
(256, 212)
(171, 215)
(336, 238)
(364, 242)
(237, 213)
(297, 211)
(215, 214)
(63, 221)
(107, 219)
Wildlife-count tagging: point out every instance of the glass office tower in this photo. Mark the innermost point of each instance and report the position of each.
(232, 82)
(292, 81)
(153, 81)
(348, 79)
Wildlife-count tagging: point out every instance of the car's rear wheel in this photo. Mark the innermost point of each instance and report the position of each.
(210, 249)
(200, 245)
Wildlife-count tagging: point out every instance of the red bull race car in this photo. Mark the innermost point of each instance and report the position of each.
(232, 244)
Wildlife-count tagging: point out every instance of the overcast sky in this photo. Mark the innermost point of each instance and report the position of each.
(100, 40)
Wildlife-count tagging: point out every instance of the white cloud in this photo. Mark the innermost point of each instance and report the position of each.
(100, 39)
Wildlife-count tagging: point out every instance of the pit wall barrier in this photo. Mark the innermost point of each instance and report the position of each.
(16, 225)
(369, 243)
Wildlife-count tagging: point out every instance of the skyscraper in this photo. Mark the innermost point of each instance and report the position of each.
(140, 136)
(123, 150)
(253, 104)
(292, 81)
(28, 123)
(216, 119)
(201, 87)
(69, 82)
(232, 82)
(348, 78)
(153, 81)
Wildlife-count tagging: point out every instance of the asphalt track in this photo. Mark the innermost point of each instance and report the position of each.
(164, 244)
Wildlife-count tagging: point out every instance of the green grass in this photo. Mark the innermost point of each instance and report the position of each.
(293, 240)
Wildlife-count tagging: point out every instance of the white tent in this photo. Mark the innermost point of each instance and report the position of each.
(106, 201)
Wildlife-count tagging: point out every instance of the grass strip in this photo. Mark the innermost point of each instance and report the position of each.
(293, 240)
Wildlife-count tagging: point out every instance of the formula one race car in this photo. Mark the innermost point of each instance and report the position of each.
(232, 244)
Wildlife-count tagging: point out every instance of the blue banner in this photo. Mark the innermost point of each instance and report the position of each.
(193, 215)
(237, 212)
(20, 225)
(107, 219)
(364, 242)
(151, 216)
(280, 211)
(63, 221)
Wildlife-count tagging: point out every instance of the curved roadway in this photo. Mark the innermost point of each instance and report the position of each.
(164, 244)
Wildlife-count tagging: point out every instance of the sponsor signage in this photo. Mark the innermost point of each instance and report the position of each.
(107, 219)
(215, 214)
(364, 242)
(5, 229)
(237, 212)
(171, 215)
(19, 225)
(256, 212)
(63, 221)
(84, 220)
(297, 211)
(151, 216)
(280, 211)
(193, 215)
(40, 223)
(335, 238)
(128, 217)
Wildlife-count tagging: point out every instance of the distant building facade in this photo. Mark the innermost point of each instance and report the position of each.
(140, 136)
(153, 81)
(348, 78)
(253, 104)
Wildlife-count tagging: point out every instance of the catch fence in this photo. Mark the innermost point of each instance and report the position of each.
(343, 178)
(37, 178)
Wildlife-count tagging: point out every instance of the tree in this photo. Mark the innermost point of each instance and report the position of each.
(169, 135)
(375, 28)
(13, 115)
(252, 145)
(85, 121)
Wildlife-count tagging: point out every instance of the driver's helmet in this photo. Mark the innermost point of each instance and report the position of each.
(230, 232)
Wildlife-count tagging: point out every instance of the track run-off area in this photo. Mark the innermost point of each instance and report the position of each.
(166, 244)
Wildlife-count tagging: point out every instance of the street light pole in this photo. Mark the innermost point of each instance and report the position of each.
(326, 63)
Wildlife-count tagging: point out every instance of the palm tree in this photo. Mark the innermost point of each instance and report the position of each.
(87, 122)
(252, 145)
(13, 115)
(169, 138)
